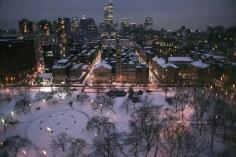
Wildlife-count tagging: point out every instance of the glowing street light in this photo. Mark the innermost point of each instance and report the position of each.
(24, 152)
(3, 121)
(44, 152)
(49, 129)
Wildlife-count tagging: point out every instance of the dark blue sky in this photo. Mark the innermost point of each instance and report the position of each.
(166, 13)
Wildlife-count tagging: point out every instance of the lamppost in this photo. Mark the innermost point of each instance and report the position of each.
(101, 108)
(44, 153)
(4, 124)
(12, 114)
(24, 152)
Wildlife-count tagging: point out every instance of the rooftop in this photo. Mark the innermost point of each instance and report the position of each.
(102, 64)
(200, 64)
(180, 59)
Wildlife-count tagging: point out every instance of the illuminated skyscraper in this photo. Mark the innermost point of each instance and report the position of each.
(74, 24)
(25, 27)
(108, 14)
(149, 23)
(45, 27)
(63, 31)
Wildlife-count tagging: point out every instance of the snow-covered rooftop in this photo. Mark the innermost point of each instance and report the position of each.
(63, 61)
(85, 66)
(200, 64)
(163, 64)
(180, 59)
(76, 66)
(45, 76)
(102, 64)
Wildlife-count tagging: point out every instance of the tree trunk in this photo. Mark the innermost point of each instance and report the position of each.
(155, 155)
(5, 128)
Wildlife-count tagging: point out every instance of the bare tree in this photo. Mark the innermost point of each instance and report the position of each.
(8, 121)
(61, 141)
(14, 143)
(23, 104)
(53, 101)
(82, 97)
(125, 104)
(146, 125)
(103, 102)
(96, 123)
(107, 142)
(77, 147)
(133, 144)
(183, 143)
(147, 101)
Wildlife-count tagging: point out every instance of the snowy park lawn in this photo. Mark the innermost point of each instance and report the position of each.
(57, 113)
(45, 121)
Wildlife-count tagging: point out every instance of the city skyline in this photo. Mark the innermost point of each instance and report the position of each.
(168, 14)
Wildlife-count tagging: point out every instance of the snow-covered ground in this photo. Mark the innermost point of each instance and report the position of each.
(45, 120)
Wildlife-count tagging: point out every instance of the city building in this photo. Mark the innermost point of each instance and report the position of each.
(76, 72)
(182, 71)
(125, 66)
(50, 55)
(148, 23)
(17, 59)
(63, 35)
(142, 74)
(108, 14)
(61, 71)
(45, 27)
(87, 56)
(88, 30)
(74, 24)
(26, 27)
(102, 73)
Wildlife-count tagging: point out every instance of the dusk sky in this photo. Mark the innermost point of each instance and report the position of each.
(170, 14)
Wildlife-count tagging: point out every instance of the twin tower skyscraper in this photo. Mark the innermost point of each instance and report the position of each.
(108, 13)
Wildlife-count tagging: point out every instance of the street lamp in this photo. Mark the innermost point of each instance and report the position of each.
(12, 113)
(49, 130)
(24, 152)
(44, 152)
(3, 121)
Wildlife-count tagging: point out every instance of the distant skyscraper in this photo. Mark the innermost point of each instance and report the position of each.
(88, 29)
(74, 24)
(63, 31)
(108, 14)
(45, 27)
(26, 27)
(149, 23)
(49, 56)
(17, 59)
(125, 22)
